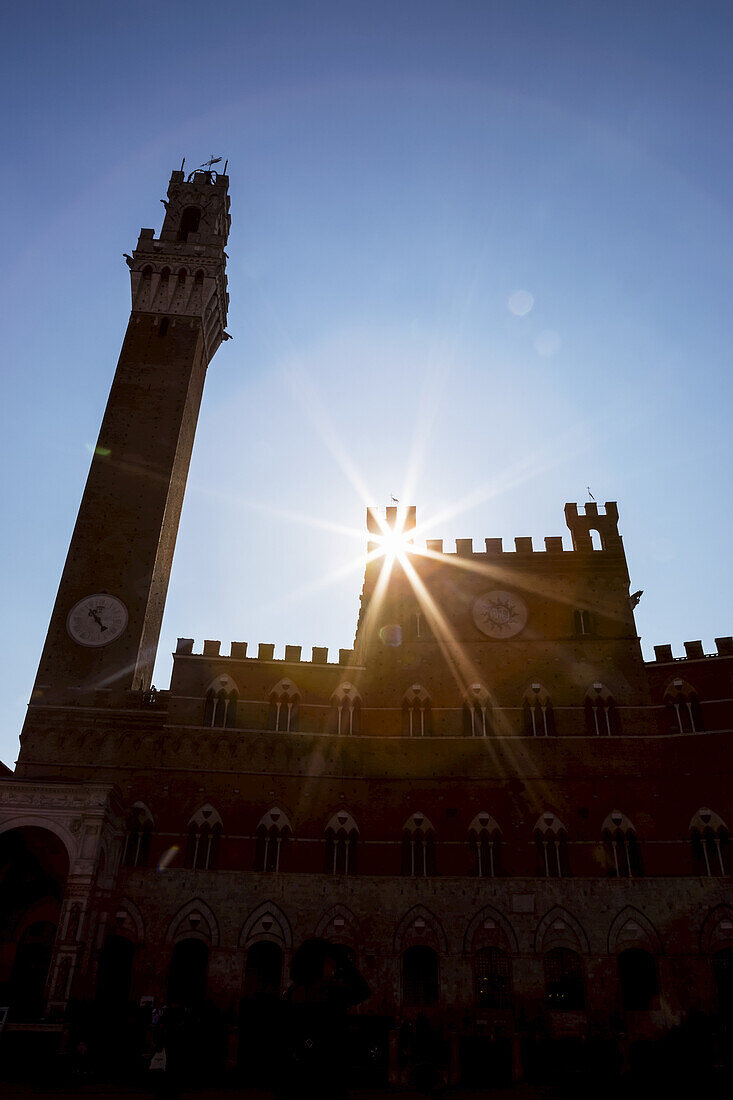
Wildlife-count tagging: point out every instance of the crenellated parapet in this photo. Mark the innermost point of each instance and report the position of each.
(581, 525)
(265, 653)
(694, 651)
(181, 274)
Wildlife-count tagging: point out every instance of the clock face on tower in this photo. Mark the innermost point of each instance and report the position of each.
(97, 620)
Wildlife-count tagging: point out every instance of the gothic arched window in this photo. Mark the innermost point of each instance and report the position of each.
(417, 719)
(564, 980)
(684, 706)
(709, 839)
(273, 832)
(539, 718)
(137, 838)
(220, 703)
(551, 845)
(477, 712)
(492, 978)
(418, 847)
(204, 835)
(284, 705)
(601, 716)
(621, 847)
(485, 839)
(342, 836)
(346, 703)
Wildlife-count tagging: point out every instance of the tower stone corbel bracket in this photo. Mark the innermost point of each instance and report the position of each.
(182, 273)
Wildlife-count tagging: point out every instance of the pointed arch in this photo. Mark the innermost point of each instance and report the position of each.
(560, 929)
(418, 846)
(716, 931)
(220, 703)
(478, 712)
(342, 839)
(127, 920)
(204, 835)
(478, 935)
(339, 923)
(601, 714)
(417, 924)
(621, 846)
(538, 715)
(138, 833)
(266, 922)
(551, 847)
(284, 701)
(630, 928)
(346, 704)
(194, 920)
(485, 839)
(273, 834)
(683, 705)
(417, 714)
(709, 840)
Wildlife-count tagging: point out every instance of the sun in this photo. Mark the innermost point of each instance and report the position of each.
(392, 536)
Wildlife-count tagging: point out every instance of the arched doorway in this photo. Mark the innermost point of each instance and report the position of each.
(114, 977)
(187, 975)
(419, 977)
(34, 865)
(263, 970)
(723, 973)
(637, 973)
(260, 1040)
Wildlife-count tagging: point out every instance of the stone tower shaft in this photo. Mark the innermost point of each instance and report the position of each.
(106, 621)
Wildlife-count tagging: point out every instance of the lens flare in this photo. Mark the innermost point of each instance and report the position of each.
(168, 856)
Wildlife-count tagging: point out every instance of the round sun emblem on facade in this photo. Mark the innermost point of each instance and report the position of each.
(499, 614)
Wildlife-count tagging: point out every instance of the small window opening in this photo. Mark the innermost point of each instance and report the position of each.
(190, 220)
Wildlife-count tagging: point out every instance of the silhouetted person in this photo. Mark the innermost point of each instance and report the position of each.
(325, 985)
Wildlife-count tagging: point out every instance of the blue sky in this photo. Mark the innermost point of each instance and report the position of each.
(398, 172)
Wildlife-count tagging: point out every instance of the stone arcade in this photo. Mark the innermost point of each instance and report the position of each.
(517, 825)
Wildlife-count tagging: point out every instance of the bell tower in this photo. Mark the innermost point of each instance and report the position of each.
(104, 629)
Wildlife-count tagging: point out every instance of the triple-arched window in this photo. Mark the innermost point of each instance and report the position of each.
(551, 847)
(273, 832)
(682, 702)
(478, 717)
(346, 703)
(417, 718)
(601, 716)
(284, 706)
(539, 718)
(342, 837)
(485, 839)
(709, 838)
(621, 847)
(418, 847)
(220, 703)
(204, 835)
(137, 837)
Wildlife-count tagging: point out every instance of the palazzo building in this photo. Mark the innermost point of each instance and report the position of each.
(517, 825)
